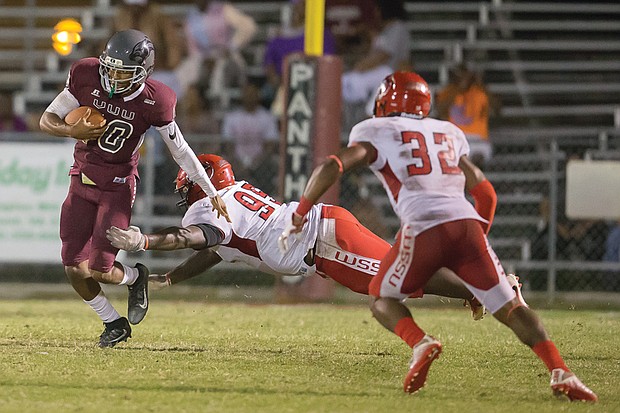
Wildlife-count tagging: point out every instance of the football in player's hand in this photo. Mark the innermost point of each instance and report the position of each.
(95, 117)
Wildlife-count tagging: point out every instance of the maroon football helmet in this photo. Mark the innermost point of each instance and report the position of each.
(218, 170)
(403, 92)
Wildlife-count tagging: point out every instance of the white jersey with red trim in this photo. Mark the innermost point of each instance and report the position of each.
(417, 162)
(257, 222)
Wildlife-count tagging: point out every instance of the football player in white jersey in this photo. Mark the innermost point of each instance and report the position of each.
(423, 165)
(333, 244)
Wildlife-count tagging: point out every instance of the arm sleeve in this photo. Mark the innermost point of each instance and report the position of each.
(62, 104)
(213, 235)
(485, 200)
(185, 157)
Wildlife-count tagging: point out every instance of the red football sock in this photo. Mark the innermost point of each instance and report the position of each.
(409, 331)
(550, 355)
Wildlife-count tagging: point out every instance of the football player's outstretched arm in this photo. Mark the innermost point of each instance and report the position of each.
(173, 238)
(195, 265)
(481, 189)
(322, 178)
(327, 173)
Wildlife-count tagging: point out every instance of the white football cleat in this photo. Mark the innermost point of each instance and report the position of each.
(513, 280)
(427, 350)
(565, 383)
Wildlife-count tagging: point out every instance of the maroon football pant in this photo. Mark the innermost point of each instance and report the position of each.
(86, 214)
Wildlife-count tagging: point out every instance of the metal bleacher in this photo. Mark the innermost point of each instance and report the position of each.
(546, 61)
(32, 71)
(539, 58)
(554, 65)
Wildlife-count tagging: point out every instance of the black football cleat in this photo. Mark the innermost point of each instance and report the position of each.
(115, 332)
(138, 300)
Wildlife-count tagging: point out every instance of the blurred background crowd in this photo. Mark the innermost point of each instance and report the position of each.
(533, 85)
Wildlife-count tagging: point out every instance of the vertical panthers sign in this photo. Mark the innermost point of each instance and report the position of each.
(311, 132)
(33, 184)
(298, 130)
(311, 121)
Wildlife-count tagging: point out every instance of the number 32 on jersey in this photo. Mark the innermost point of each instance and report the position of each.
(447, 157)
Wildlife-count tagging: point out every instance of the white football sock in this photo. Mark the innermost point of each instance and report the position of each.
(103, 308)
(130, 275)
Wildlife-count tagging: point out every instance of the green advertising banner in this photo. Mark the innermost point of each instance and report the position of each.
(33, 184)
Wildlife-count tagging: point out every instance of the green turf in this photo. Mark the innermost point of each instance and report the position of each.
(201, 357)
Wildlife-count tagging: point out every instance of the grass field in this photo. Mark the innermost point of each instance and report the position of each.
(203, 357)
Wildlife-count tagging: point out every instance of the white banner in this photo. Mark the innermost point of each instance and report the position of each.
(33, 184)
(593, 189)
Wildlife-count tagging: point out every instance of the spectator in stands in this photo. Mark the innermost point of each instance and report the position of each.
(146, 16)
(216, 32)
(196, 114)
(199, 126)
(9, 121)
(289, 40)
(352, 23)
(582, 239)
(576, 239)
(466, 103)
(250, 136)
(360, 202)
(389, 52)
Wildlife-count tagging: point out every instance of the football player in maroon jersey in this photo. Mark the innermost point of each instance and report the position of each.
(104, 173)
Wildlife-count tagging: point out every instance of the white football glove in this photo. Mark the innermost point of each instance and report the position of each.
(130, 239)
(158, 281)
(293, 227)
(283, 244)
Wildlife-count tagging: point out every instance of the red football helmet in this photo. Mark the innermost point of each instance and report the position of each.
(403, 92)
(218, 170)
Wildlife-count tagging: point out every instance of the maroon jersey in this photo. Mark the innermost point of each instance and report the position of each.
(113, 157)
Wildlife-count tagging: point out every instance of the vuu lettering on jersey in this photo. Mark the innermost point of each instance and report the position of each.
(115, 153)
